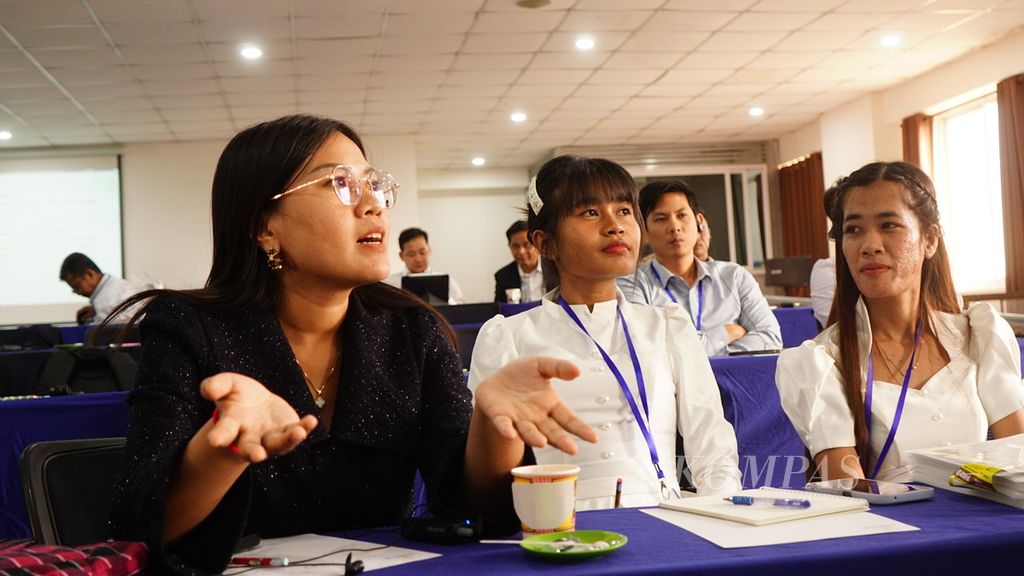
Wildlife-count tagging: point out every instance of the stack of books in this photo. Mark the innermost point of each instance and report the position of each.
(993, 469)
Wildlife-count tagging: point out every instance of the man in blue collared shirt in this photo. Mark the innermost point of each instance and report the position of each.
(723, 299)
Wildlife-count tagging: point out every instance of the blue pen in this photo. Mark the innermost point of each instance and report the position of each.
(784, 502)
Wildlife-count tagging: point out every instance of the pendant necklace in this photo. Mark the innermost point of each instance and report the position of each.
(318, 397)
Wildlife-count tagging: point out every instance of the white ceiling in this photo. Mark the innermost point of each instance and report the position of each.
(449, 72)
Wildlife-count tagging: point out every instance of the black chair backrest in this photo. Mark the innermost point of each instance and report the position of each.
(69, 486)
(32, 337)
(469, 313)
(465, 337)
(788, 271)
(86, 369)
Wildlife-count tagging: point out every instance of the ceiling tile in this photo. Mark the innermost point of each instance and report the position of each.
(194, 114)
(505, 22)
(666, 42)
(617, 4)
(230, 9)
(144, 11)
(482, 77)
(327, 27)
(345, 66)
(45, 13)
(707, 76)
(23, 77)
(69, 58)
(631, 60)
(164, 54)
(763, 75)
(689, 21)
(610, 89)
(503, 43)
(795, 5)
(850, 21)
(418, 63)
(586, 60)
(667, 90)
(780, 59)
(770, 21)
(172, 71)
(257, 84)
(554, 76)
(429, 23)
(418, 6)
(624, 76)
(258, 32)
(244, 69)
(869, 6)
(602, 21)
(566, 41)
(71, 77)
(700, 5)
(418, 45)
(143, 33)
(325, 48)
(742, 41)
(454, 104)
(471, 90)
(541, 90)
(816, 41)
(188, 101)
(605, 104)
(716, 60)
(32, 37)
(108, 104)
(342, 7)
(184, 87)
(491, 61)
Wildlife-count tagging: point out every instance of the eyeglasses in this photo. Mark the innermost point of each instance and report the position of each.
(348, 185)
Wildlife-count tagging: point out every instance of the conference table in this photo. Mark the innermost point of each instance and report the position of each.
(958, 535)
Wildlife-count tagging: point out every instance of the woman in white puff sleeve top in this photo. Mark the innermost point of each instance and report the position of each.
(924, 373)
(583, 219)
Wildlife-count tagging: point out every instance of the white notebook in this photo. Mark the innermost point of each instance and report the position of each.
(759, 515)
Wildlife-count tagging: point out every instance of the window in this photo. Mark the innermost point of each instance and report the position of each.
(966, 147)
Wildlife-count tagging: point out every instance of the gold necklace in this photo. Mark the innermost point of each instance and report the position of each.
(892, 365)
(319, 399)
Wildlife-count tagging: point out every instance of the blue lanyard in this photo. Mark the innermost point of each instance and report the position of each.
(899, 403)
(641, 421)
(700, 295)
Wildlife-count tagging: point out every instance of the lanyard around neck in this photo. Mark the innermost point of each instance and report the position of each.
(642, 420)
(700, 295)
(899, 403)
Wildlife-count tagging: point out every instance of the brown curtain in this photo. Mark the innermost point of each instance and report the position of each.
(1010, 97)
(917, 141)
(801, 187)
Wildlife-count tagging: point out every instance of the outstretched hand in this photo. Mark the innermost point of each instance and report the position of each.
(257, 422)
(520, 403)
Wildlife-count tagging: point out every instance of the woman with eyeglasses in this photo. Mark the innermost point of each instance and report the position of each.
(297, 393)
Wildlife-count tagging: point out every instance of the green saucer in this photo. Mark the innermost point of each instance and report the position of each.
(537, 544)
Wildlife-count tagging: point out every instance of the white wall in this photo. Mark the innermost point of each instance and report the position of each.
(167, 234)
(800, 142)
(467, 234)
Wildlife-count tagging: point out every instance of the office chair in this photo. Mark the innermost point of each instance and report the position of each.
(69, 485)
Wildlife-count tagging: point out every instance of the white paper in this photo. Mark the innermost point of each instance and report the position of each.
(729, 534)
(305, 547)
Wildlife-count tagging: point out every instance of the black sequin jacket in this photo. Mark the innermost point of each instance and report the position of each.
(402, 406)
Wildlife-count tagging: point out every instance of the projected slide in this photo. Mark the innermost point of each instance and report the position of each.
(50, 208)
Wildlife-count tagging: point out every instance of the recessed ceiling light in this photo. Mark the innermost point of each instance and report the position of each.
(585, 43)
(532, 3)
(518, 117)
(5, 135)
(756, 111)
(479, 161)
(890, 40)
(250, 52)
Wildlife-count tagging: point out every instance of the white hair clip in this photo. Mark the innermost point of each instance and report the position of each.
(533, 198)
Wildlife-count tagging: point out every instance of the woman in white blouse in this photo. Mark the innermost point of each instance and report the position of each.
(644, 375)
(901, 367)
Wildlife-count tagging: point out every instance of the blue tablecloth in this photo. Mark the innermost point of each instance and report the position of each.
(958, 535)
(24, 422)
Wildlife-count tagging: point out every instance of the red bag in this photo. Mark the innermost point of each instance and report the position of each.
(21, 558)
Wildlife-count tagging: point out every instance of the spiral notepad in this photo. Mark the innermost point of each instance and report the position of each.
(715, 506)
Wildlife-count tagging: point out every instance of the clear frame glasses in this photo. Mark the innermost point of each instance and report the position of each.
(348, 185)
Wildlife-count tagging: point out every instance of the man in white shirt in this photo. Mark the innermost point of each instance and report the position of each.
(702, 248)
(823, 288)
(104, 291)
(414, 250)
(525, 272)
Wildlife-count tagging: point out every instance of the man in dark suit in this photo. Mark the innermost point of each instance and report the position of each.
(524, 273)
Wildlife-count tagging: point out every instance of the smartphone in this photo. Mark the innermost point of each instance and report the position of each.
(874, 491)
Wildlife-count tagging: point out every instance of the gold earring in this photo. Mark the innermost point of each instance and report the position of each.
(274, 260)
